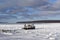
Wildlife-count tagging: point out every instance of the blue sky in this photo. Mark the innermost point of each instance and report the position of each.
(52, 1)
(12, 11)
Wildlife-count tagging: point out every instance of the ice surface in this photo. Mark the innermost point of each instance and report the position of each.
(44, 31)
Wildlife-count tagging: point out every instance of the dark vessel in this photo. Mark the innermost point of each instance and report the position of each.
(29, 26)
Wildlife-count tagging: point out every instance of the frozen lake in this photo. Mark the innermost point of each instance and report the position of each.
(44, 31)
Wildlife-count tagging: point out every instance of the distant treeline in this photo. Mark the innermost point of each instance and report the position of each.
(41, 21)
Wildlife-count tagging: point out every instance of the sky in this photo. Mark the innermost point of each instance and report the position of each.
(13, 11)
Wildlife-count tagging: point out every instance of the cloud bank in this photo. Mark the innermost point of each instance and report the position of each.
(23, 10)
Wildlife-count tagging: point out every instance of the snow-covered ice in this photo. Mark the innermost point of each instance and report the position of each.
(43, 31)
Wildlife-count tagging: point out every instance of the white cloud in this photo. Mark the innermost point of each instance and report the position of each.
(56, 4)
(44, 8)
(19, 3)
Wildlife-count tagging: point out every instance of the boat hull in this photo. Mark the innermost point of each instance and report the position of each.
(29, 28)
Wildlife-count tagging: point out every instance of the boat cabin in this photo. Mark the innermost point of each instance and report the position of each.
(29, 26)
